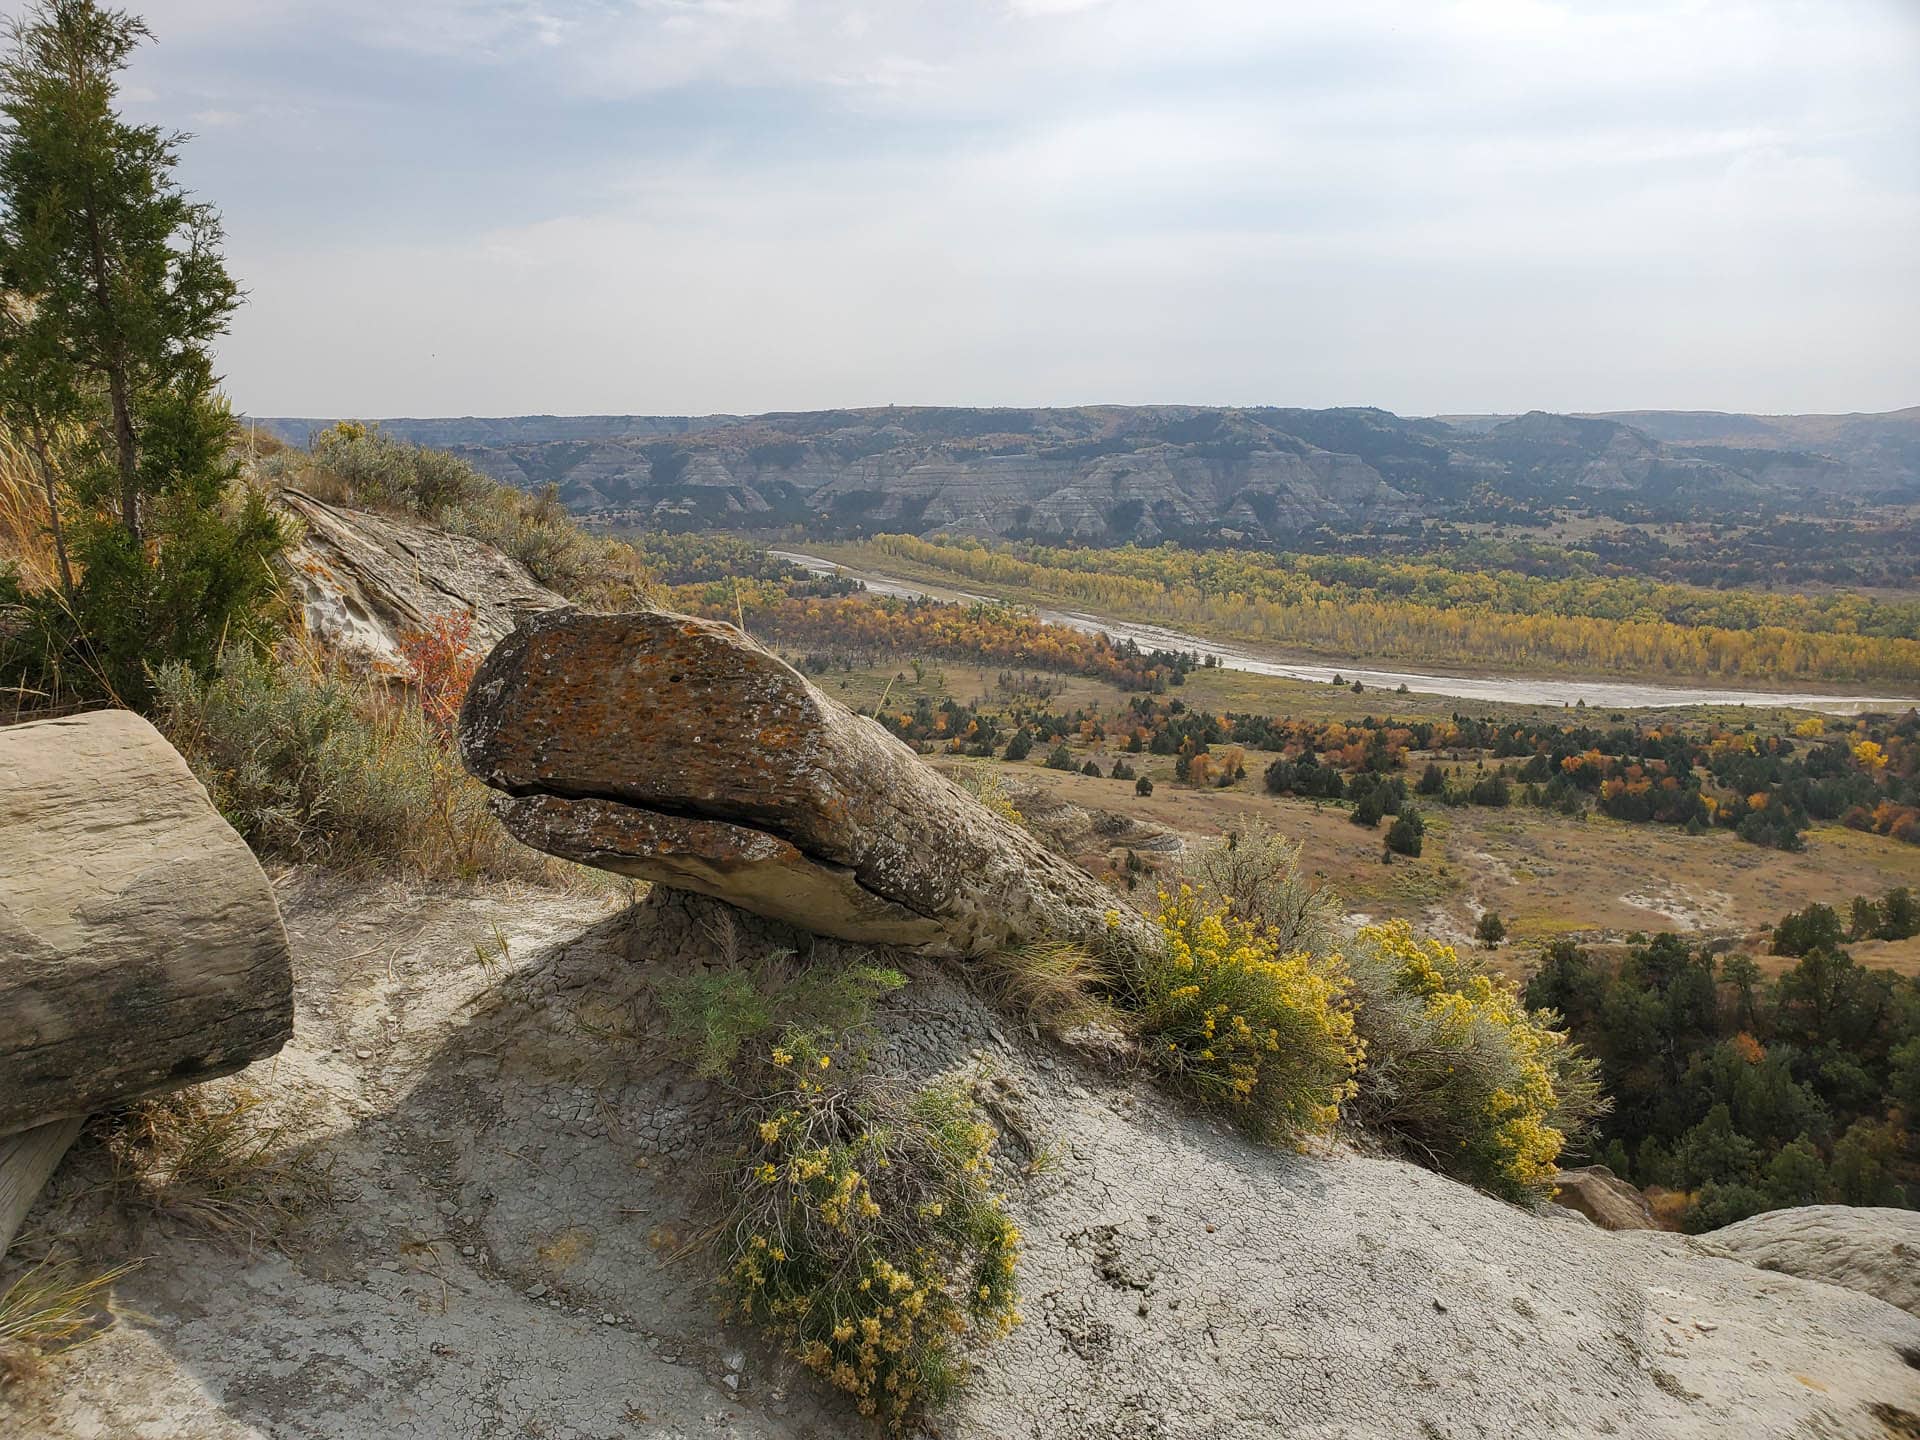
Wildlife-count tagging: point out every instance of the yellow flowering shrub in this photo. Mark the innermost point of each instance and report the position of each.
(1460, 1073)
(1230, 1018)
(866, 1233)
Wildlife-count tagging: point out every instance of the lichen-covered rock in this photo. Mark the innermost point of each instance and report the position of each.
(677, 750)
(1861, 1247)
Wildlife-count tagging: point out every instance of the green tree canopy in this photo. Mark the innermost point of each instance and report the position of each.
(114, 290)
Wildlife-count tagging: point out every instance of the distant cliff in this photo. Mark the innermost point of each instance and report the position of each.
(1108, 474)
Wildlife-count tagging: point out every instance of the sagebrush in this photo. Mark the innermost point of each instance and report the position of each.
(310, 763)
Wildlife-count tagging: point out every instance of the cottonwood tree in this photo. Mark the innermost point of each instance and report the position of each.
(115, 290)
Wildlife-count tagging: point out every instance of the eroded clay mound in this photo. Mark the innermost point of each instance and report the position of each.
(1868, 1248)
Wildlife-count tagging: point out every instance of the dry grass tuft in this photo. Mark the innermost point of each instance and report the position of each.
(221, 1157)
(1051, 983)
(55, 1306)
(25, 539)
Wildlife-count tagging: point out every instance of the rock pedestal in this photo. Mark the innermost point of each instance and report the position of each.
(677, 750)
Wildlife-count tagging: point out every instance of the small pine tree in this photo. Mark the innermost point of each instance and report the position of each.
(1899, 915)
(1491, 930)
(1796, 1176)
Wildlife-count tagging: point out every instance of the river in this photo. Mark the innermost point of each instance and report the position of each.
(1507, 689)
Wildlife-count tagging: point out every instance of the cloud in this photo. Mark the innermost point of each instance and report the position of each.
(724, 204)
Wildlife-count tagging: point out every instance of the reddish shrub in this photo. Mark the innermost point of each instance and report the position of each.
(442, 667)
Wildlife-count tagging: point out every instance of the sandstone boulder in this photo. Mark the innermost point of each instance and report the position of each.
(1860, 1247)
(676, 750)
(1604, 1198)
(362, 581)
(140, 946)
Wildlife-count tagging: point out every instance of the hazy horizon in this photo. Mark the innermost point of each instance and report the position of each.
(397, 417)
(684, 207)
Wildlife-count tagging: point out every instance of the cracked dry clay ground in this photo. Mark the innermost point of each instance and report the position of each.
(517, 1166)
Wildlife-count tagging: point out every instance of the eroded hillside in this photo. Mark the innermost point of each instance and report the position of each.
(1108, 474)
(520, 1178)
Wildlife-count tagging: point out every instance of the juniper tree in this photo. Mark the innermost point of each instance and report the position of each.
(115, 290)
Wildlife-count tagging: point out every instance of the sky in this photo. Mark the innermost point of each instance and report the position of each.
(449, 207)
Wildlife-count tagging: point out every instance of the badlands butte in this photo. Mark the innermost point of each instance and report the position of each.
(1110, 474)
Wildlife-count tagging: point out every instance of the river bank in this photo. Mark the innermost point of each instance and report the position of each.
(1259, 660)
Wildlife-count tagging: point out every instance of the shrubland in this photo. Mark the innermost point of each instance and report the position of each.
(862, 1227)
(311, 763)
(360, 465)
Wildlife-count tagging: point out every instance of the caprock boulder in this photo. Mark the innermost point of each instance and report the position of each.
(677, 750)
